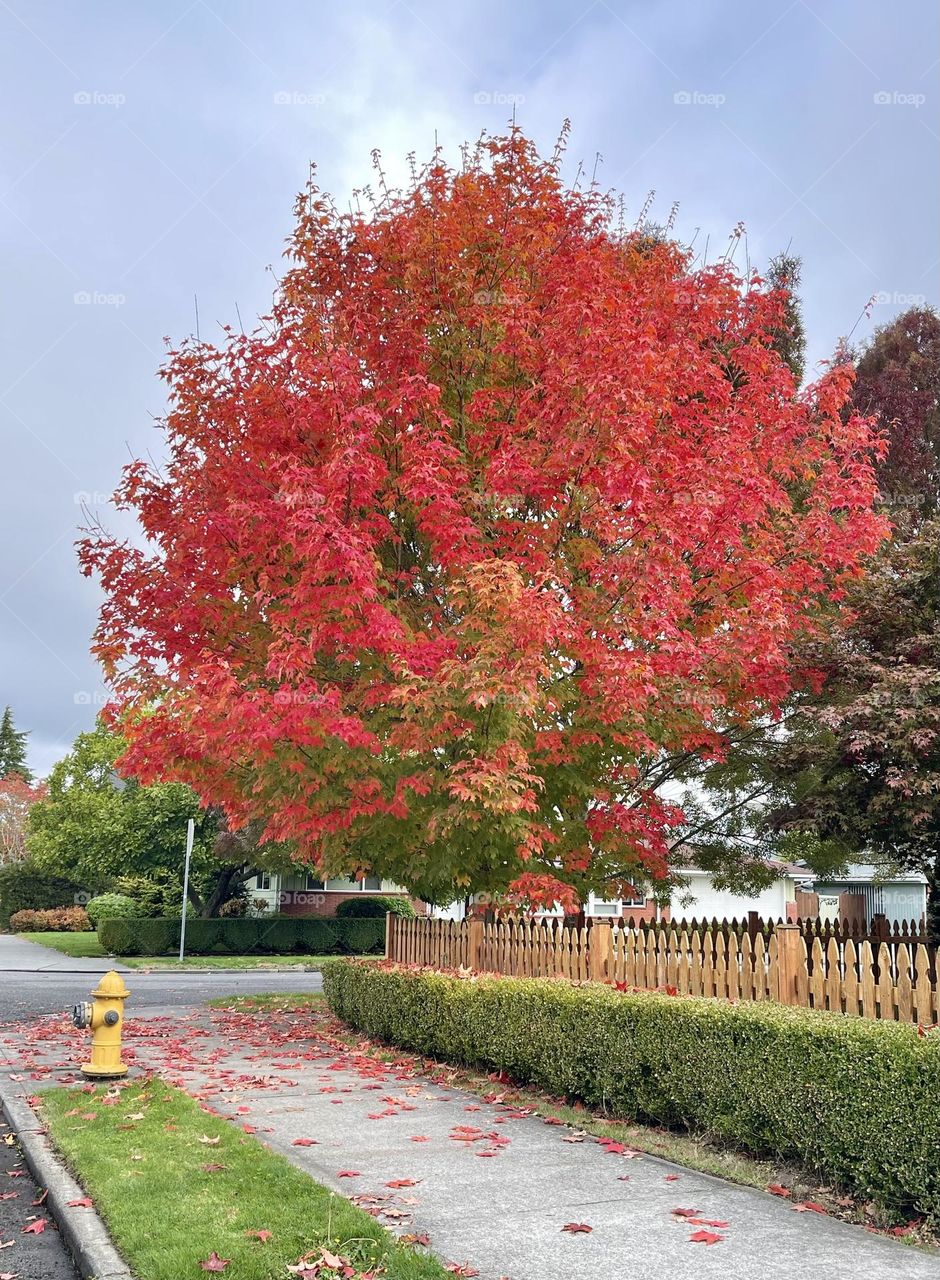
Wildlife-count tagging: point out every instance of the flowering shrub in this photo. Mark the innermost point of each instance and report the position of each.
(54, 920)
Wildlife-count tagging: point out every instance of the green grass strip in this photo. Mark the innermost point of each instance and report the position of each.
(85, 945)
(147, 1166)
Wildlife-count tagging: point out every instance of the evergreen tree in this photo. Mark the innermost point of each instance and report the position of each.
(790, 338)
(13, 748)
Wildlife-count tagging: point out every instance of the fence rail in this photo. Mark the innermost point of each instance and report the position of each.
(795, 964)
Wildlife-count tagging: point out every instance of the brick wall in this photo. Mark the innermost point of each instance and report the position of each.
(316, 902)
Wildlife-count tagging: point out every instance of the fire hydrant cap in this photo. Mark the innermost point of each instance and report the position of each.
(111, 987)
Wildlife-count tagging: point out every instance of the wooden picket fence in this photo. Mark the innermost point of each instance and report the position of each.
(787, 963)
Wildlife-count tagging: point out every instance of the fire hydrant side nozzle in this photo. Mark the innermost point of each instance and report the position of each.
(105, 1018)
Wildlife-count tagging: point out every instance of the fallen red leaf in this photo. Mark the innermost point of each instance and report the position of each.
(35, 1228)
(809, 1206)
(304, 1142)
(349, 1173)
(403, 1182)
(705, 1237)
(577, 1228)
(214, 1262)
(776, 1189)
(84, 1203)
(263, 1235)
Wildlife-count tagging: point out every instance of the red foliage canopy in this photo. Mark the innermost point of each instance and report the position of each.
(499, 506)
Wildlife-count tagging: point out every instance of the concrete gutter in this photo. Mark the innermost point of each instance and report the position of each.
(82, 1230)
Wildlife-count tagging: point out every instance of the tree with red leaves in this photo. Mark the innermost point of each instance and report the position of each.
(501, 511)
(17, 797)
(898, 380)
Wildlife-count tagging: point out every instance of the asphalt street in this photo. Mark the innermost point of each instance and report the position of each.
(26, 995)
(36, 980)
(32, 1247)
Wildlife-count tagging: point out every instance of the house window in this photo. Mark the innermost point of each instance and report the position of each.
(603, 907)
(637, 900)
(311, 883)
(263, 880)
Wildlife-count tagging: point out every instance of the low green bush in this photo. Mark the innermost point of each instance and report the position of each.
(366, 908)
(23, 887)
(112, 906)
(276, 935)
(852, 1098)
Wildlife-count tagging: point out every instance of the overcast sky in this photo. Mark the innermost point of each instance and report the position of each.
(151, 152)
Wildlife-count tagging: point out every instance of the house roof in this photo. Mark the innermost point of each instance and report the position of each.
(864, 873)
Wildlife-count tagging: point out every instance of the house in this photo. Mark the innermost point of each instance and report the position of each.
(699, 900)
(865, 891)
(302, 894)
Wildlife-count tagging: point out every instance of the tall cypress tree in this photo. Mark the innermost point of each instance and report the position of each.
(13, 748)
(790, 338)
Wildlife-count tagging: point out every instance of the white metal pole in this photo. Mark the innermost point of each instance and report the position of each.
(190, 831)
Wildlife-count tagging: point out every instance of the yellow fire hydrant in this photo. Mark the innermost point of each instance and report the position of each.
(105, 1017)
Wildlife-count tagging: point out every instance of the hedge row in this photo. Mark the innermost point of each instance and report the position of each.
(854, 1099)
(277, 935)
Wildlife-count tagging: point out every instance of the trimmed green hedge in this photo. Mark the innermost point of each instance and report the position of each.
(852, 1098)
(276, 935)
(363, 907)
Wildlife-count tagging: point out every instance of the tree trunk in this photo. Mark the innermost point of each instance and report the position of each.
(933, 903)
(230, 878)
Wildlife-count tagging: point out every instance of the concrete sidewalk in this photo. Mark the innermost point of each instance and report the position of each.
(492, 1187)
(19, 955)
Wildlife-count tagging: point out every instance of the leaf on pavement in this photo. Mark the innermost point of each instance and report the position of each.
(705, 1237)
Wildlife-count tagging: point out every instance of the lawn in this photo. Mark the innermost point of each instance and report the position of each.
(176, 1185)
(86, 946)
(82, 945)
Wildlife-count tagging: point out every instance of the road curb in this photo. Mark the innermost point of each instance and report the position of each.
(309, 968)
(82, 1230)
(127, 971)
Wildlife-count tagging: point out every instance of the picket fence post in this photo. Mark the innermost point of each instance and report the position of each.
(390, 918)
(791, 957)
(600, 950)
(475, 945)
